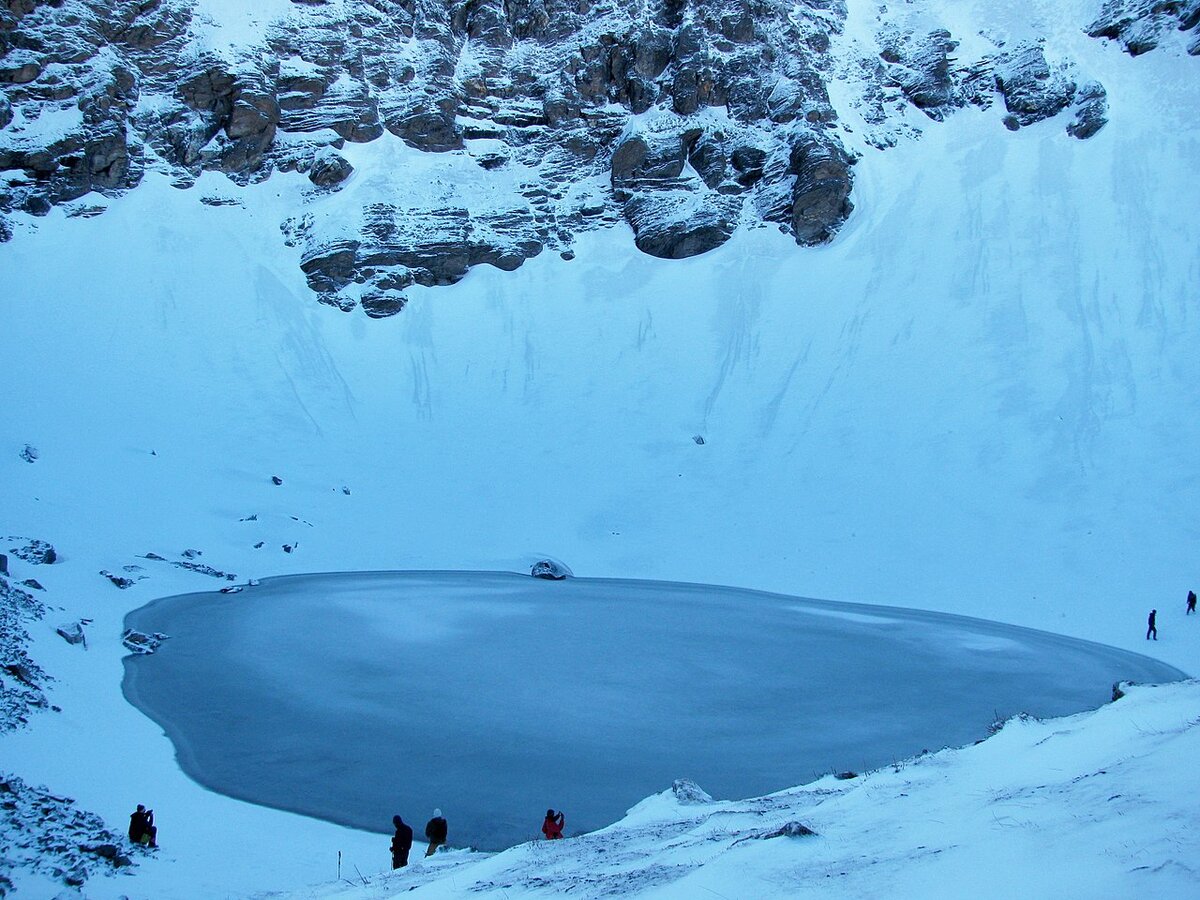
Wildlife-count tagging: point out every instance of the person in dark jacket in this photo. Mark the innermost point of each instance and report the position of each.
(553, 826)
(141, 827)
(1152, 629)
(1191, 607)
(435, 831)
(401, 843)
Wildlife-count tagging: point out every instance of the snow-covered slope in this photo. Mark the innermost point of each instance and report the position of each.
(980, 397)
(1097, 806)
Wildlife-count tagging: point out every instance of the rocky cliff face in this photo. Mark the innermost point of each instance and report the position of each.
(550, 117)
(1141, 25)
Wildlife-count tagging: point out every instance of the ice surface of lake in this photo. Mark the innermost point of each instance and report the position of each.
(355, 696)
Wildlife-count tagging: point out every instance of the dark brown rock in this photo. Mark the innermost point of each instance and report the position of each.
(821, 195)
(1031, 90)
(1091, 111)
(331, 267)
(329, 169)
(680, 223)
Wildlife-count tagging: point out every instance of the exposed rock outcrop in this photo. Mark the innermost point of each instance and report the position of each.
(21, 679)
(1141, 25)
(38, 553)
(329, 169)
(1032, 90)
(48, 834)
(528, 121)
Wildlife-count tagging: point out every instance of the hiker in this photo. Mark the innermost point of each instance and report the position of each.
(401, 843)
(141, 827)
(1152, 630)
(553, 826)
(435, 830)
(1191, 602)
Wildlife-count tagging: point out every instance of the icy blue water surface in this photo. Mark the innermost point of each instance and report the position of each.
(355, 696)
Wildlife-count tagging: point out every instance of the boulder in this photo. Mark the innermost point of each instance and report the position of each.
(1032, 91)
(119, 581)
(821, 194)
(1091, 110)
(380, 305)
(72, 633)
(139, 642)
(550, 569)
(329, 168)
(688, 793)
(680, 223)
(788, 829)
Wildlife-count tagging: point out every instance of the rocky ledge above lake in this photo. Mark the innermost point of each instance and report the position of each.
(686, 120)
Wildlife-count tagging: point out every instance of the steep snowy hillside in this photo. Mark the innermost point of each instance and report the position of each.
(975, 393)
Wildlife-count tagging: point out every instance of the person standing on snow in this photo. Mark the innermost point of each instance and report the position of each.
(552, 828)
(435, 831)
(1152, 629)
(401, 843)
(1191, 608)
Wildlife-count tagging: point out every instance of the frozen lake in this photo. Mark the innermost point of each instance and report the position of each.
(494, 696)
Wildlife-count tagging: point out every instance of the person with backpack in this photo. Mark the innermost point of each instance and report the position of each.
(1152, 629)
(1191, 606)
(435, 831)
(141, 827)
(401, 843)
(552, 828)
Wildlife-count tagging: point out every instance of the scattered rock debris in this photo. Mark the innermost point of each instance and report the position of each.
(119, 580)
(139, 642)
(38, 553)
(50, 835)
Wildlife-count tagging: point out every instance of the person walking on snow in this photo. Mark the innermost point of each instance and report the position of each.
(435, 831)
(553, 826)
(141, 826)
(1191, 602)
(1152, 630)
(401, 843)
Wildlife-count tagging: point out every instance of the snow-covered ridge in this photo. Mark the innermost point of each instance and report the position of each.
(548, 117)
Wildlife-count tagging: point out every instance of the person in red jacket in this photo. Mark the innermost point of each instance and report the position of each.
(553, 826)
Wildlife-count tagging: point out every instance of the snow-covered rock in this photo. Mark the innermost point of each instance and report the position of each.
(1141, 25)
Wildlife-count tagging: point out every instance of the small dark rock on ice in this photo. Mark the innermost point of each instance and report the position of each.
(138, 642)
(549, 569)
